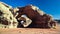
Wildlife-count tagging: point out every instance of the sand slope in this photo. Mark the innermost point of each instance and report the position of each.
(30, 31)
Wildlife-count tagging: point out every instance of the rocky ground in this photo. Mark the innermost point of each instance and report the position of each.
(31, 30)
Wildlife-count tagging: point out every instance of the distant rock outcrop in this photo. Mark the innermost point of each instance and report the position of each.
(57, 20)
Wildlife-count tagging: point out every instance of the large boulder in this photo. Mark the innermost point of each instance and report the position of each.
(38, 17)
(7, 20)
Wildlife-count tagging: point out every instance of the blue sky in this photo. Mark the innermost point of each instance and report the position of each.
(48, 6)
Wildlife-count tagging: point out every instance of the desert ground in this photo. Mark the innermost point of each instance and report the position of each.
(30, 30)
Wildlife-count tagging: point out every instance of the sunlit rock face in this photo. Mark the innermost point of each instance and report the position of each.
(7, 20)
(24, 21)
(15, 10)
(38, 10)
